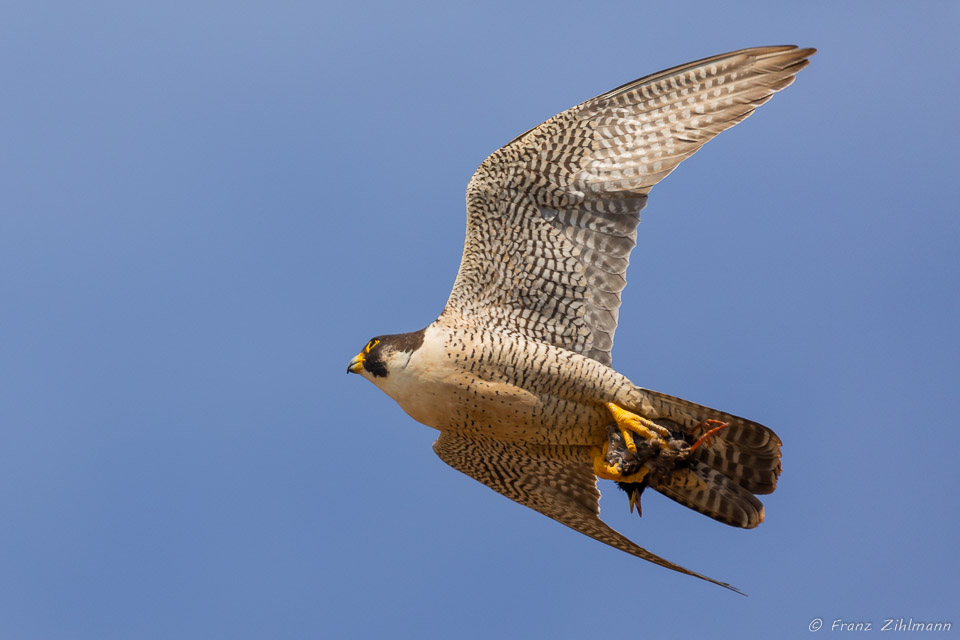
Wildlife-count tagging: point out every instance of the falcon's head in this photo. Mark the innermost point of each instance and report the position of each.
(384, 354)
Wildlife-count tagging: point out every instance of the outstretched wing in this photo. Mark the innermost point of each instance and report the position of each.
(552, 216)
(538, 477)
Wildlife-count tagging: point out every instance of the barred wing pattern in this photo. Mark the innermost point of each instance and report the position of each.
(540, 478)
(552, 216)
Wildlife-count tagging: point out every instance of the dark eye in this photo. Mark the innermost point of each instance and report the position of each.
(371, 345)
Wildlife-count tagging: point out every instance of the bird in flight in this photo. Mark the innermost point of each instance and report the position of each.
(516, 372)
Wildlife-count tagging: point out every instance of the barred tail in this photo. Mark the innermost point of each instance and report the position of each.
(720, 476)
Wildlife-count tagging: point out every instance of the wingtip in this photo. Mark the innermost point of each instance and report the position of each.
(781, 48)
(725, 585)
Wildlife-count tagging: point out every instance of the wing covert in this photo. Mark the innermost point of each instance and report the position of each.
(552, 216)
(536, 477)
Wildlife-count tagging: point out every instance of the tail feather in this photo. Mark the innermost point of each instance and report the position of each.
(718, 479)
(713, 494)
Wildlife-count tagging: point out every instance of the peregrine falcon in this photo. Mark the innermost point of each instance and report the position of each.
(516, 373)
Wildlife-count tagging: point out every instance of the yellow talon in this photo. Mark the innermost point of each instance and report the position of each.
(630, 423)
(606, 471)
(601, 468)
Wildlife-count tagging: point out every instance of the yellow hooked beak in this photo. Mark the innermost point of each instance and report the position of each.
(356, 364)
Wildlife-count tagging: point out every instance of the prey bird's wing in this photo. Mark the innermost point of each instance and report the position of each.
(538, 477)
(552, 216)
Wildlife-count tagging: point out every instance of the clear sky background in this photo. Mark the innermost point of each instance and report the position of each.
(208, 208)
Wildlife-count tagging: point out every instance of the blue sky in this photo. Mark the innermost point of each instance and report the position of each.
(208, 209)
